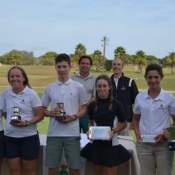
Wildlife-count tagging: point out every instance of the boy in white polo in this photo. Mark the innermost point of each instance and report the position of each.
(63, 133)
(152, 116)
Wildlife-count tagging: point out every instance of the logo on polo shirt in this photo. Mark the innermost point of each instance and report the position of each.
(161, 105)
(162, 108)
(123, 88)
(22, 101)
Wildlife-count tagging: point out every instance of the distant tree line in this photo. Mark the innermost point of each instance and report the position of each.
(140, 59)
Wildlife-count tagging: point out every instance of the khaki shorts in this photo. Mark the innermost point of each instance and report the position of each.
(54, 151)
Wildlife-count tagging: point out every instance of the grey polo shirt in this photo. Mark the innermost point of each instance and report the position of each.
(88, 83)
(26, 100)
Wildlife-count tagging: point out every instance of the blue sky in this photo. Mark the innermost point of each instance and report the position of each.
(59, 25)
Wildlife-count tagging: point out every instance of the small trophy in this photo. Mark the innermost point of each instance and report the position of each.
(171, 140)
(61, 112)
(15, 117)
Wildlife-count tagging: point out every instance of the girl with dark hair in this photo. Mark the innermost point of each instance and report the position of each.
(152, 116)
(23, 110)
(102, 112)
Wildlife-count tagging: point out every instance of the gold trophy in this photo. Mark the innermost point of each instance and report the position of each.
(15, 117)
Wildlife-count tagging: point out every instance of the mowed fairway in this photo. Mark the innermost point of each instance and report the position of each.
(40, 76)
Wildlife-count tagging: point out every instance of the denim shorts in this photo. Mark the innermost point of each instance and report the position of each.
(26, 148)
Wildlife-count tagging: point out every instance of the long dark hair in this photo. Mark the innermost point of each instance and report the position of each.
(108, 80)
(26, 80)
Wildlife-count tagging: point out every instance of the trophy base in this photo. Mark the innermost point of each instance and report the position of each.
(15, 119)
(59, 117)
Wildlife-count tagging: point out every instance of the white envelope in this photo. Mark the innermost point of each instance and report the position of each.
(148, 138)
(99, 133)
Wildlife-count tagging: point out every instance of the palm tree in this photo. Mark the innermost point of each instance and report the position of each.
(98, 60)
(171, 61)
(140, 59)
(80, 50)
(120, 52)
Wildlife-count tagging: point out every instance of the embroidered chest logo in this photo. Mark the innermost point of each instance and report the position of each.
(161, 106)
(22, 101)
(123, 88)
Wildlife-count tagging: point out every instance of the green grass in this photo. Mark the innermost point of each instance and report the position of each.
(40, 76)
(43, 126)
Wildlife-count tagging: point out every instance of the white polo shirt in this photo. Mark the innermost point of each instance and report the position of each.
(72, 94)
(1, 109)
(26, 100)
(155, 113)
(88, 83)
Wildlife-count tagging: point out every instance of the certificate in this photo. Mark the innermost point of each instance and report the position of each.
(148, 138)
(100, 133)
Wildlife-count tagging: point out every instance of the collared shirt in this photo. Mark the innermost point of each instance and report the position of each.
(1, 110)
(88, 83)
(26, 101)
(155, 113)
(116, 81)
(73, 95)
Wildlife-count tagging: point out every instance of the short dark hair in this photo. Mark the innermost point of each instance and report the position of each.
(26, 80)
(152, 67)
(85, 57)
(62, 57)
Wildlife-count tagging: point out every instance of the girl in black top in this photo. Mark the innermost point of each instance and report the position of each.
(103, 112)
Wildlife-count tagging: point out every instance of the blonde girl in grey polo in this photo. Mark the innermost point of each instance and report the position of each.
(21, 136)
